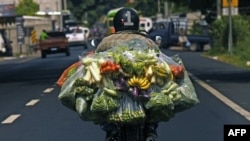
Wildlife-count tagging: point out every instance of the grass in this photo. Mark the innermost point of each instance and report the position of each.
(230, 59)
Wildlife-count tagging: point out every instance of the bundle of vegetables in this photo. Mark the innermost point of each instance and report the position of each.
(104, 103)
(130, 111)
(129, 83)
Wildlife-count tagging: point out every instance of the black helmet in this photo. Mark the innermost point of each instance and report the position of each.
(126, 19)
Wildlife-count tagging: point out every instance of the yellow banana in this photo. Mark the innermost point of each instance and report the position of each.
(160, 69)
(146, 86)
(171, 76)
(132, 79)
(167, 67)
(140, 80)
(161, 74)
(150, 70)
(153, 79)
(144, 82)
(130, 82)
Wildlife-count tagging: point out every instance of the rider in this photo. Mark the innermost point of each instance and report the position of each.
(126, 23)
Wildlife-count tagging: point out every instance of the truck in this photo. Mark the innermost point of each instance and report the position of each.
(56, 42)
(167, 30)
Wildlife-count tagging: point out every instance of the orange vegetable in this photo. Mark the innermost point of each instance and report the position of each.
(63, 76)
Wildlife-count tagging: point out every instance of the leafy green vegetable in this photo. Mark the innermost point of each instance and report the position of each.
(158, 101)
(104, 103)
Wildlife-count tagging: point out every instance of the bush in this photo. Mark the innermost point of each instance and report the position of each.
(220, 32)
(241, 41)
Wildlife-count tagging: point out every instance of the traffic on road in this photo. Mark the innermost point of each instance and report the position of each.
(30, 109)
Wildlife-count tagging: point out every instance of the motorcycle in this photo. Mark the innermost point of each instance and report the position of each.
(129, 132)
(118, 96)
(132, 132)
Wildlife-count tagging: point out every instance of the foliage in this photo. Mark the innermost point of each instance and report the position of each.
(27, 7)
(220, 28)
(93, 10)
(197, 29)
(97, 8)
(240, 32)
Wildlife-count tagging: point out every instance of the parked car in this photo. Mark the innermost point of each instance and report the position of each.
(170, 37)
(5, 44)
(77, 35)
(55, 43)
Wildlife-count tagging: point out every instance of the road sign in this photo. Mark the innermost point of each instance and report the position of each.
(20, 30)
(234, 11)
(234, 3)
(33, 37)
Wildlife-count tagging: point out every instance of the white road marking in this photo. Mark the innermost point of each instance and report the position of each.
(11, 119)
(32, 102)
(48, 90)
(221, 97)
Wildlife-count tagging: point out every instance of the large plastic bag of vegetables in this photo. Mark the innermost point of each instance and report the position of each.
(127, 83)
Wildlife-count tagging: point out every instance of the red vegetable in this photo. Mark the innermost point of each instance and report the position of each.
(178, 71)
(109, 66)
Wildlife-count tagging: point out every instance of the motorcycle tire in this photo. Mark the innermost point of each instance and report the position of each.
(150, 139)
(132, 133)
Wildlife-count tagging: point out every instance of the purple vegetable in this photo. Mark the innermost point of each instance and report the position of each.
(143, 98)
(144, 95)
(135, 91)
(123, 81)
(120, 86)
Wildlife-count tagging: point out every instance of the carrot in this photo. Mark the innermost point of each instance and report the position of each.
(63, 76)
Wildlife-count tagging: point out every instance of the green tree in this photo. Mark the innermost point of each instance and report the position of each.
(91, 9)
(95, 9)
(27, 7)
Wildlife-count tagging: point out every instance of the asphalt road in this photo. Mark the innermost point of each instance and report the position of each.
(30, 110)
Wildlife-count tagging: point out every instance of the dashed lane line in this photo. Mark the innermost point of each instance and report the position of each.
(11, 119)
(221, 97)
(32, 102)
(48, 90)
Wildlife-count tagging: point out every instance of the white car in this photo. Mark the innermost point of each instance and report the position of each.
(77, 35)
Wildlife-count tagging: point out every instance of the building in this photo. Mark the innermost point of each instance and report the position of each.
(50, 8)
(44, 5)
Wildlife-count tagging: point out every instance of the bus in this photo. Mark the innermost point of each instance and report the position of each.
(146, 23)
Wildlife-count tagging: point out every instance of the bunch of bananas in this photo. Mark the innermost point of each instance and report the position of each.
(140, 82)
(160, 70)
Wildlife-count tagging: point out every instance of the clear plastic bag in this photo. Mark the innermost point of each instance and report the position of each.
(188, 96)
(83, 108)
(159, 108)
(104, 103)
(67, 93)
(130, 111)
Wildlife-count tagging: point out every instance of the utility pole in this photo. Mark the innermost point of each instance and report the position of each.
(218, 8)
(65, 4)
(230, 38)
(159, 6)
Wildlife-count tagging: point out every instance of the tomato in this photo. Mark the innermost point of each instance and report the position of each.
(117, 66)
(103, 65)
(113, 67)
(109, 63)
(108, 68)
